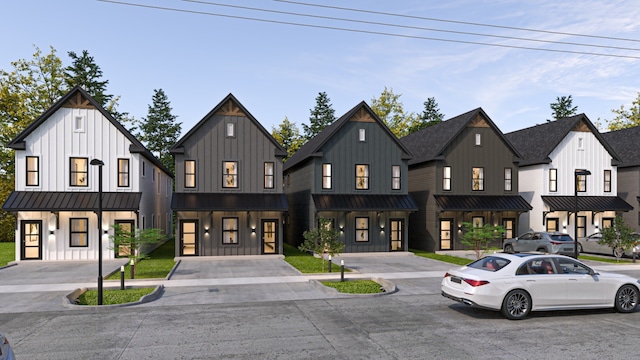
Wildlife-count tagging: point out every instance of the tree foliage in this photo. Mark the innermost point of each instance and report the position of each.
(625, 118)
(84, 72)
(136, 243)
(562, 108)
(479, 237)
(618, 236)
(159, 130)
(288, 136)
(322, 115)
(322, 241)
(390, 110)
(431, 115)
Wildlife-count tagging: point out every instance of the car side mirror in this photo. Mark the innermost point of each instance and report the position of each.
(593, 272)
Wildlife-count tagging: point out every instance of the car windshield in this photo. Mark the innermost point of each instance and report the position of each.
(561, 237)
(489, 263)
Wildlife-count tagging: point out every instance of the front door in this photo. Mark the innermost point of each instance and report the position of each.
(269, 237)
(396, 235)
(445, 234)
(188, 237)
(31, 240)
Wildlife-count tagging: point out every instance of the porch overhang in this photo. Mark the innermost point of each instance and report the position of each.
(482, 203)
(586, 203)
(228, 202)
(355, 202)
(71, 201)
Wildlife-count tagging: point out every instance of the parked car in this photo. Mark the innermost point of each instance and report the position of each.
(517, 284)
(552, 243)
(590, 244)
(5, 350)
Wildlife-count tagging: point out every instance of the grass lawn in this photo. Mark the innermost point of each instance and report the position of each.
(446, 258)
(307, 263)
(156, 265)
(111, 296)
(355, 286)
(7, 252)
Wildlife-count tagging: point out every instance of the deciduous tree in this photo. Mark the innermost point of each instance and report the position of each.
(618, 237)
(479, 237)
(625, 118)
(390, 110)
(322, 241)
(288, 136)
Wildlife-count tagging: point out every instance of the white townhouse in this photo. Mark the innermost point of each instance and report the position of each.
(57, 183)
(567, 165)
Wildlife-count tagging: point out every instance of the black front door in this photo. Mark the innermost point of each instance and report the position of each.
(188, 237)
(31, 240)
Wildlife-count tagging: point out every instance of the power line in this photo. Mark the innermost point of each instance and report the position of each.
(409, 26)
(365, 31)
(457, 22)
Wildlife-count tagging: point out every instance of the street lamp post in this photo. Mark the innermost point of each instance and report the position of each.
(99, 163)
(578, 173)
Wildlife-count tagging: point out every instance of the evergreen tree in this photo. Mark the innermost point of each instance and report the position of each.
(322, 115)
(85, 72)
(431, 115)
(159, 130)
(390, 110)
(562, 108)
(288, 136)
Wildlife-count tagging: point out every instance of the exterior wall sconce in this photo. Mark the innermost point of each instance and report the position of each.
(206, 230)
(341, 228)
(51, 232)
(253, 230)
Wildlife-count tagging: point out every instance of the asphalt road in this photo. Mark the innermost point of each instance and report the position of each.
(414, 323)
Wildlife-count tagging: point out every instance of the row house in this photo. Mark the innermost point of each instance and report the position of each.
(228, 198)
(58, 159)
(355, 173)
(463, 170)
(569, 174)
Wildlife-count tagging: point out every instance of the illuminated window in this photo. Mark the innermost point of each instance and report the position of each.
(78, 172)
(230, 176)
(79, 231)
(189, 173)
(326, 176)
(553, 180)
(395, 177)
(268, 175)
(507, 179)
(362, 177)
(33, 171)
(446, 178)
(123, 172)
(477, 183)
(362, 229)
(229, 230)
(607, 181)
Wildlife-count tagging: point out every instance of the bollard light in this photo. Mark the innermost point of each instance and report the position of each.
(122, 277)
(342, 270)
(329, 262)
(132, 265)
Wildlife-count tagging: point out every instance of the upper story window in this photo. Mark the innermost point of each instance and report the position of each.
(446, 178)
(144, 168)
(362, 135)
(326, 176)
(158, 183)
(395, 177)
(230, 175)
(362, 177)
(580, 144)
(78, 175)
(553, 180)
(581, 183)
(478, 140)
(507, 179)
(78, 123)
(477, 176)
(123, 172)
(189, 173)
(268, 175)
(231, 130)
(607, 181)
(33, 171)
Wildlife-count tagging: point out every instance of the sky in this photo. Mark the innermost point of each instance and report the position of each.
(464, 53)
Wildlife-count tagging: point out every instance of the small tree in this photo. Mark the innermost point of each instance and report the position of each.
(323, 240)
(479, 237)
(562, 108)
(618, 236)
(135, 243)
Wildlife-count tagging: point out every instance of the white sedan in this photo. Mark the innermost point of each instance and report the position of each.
(517, 284)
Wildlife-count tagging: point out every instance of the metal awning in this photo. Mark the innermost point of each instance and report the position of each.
(482, 203)
(71, 201)
(349, 202)
(228, 202)
(586, 203)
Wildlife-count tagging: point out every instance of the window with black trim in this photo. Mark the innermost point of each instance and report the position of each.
(33, 171)
(123, 172)
(78, 175)
(607, 181)
(326, 176)
(229, 231)
(79, 232)
(230, 175)
(362, 229)
(553, 180)
(581, 182)
(189, 173)
(395, 177)
(507, 179)
(446, 178)
(477, 176)
(362, 177)
(268, 175)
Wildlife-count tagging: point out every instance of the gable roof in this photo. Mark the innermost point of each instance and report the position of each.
(626, 144)
(78, 97)
(178, 147)
(429, 144)
(314, 146)
(537, 142)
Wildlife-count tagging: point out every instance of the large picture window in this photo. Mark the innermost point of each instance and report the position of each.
(230, 176)
(123, 172)
(33, 171)
(395, 177)
(477, 183)
(268, 175)
(78, 172)
(229, 230)
(189, 173)
(362, 177)
(362, 229)
(553, 180)
(446, 178)
(326, 176)
(79, 232)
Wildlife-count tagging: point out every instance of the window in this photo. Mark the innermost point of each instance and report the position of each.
(144, 168)
(362, 177)
(580, 144)
(553, 180)
(477, 183)
(33, 171)
(507, 179)
(362, 135)
(79, 232)
(229, 230)
(478, 139)
(395, 177)
(446, 178)
(582, 227)
(607, 181)
(158, 185)
(581, 182)
(189, 173)
(362, 229)
(268, 175)
(123, 172)
(231, 131)
(78, 171)
(326, 176)
(230, 176)
(477, 221)
(78, 124)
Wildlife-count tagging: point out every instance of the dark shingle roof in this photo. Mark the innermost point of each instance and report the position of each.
(228, 202)
(71, 201)
(626, 143)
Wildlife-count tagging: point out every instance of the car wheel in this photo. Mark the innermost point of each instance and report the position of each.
(580, 248)
(626, 299)
(509, 249)
(516, 305)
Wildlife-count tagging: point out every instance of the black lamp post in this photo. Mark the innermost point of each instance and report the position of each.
(99, 163)
(578, 173)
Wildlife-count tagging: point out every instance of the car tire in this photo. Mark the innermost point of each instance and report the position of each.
(626, 299)
(509, 249)
(517, 305)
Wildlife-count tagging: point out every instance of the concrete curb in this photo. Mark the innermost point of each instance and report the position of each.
(68, 301)
(387, 286)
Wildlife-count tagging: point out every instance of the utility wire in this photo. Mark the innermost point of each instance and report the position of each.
(364, 31)
(409, 26)
(456, 22)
